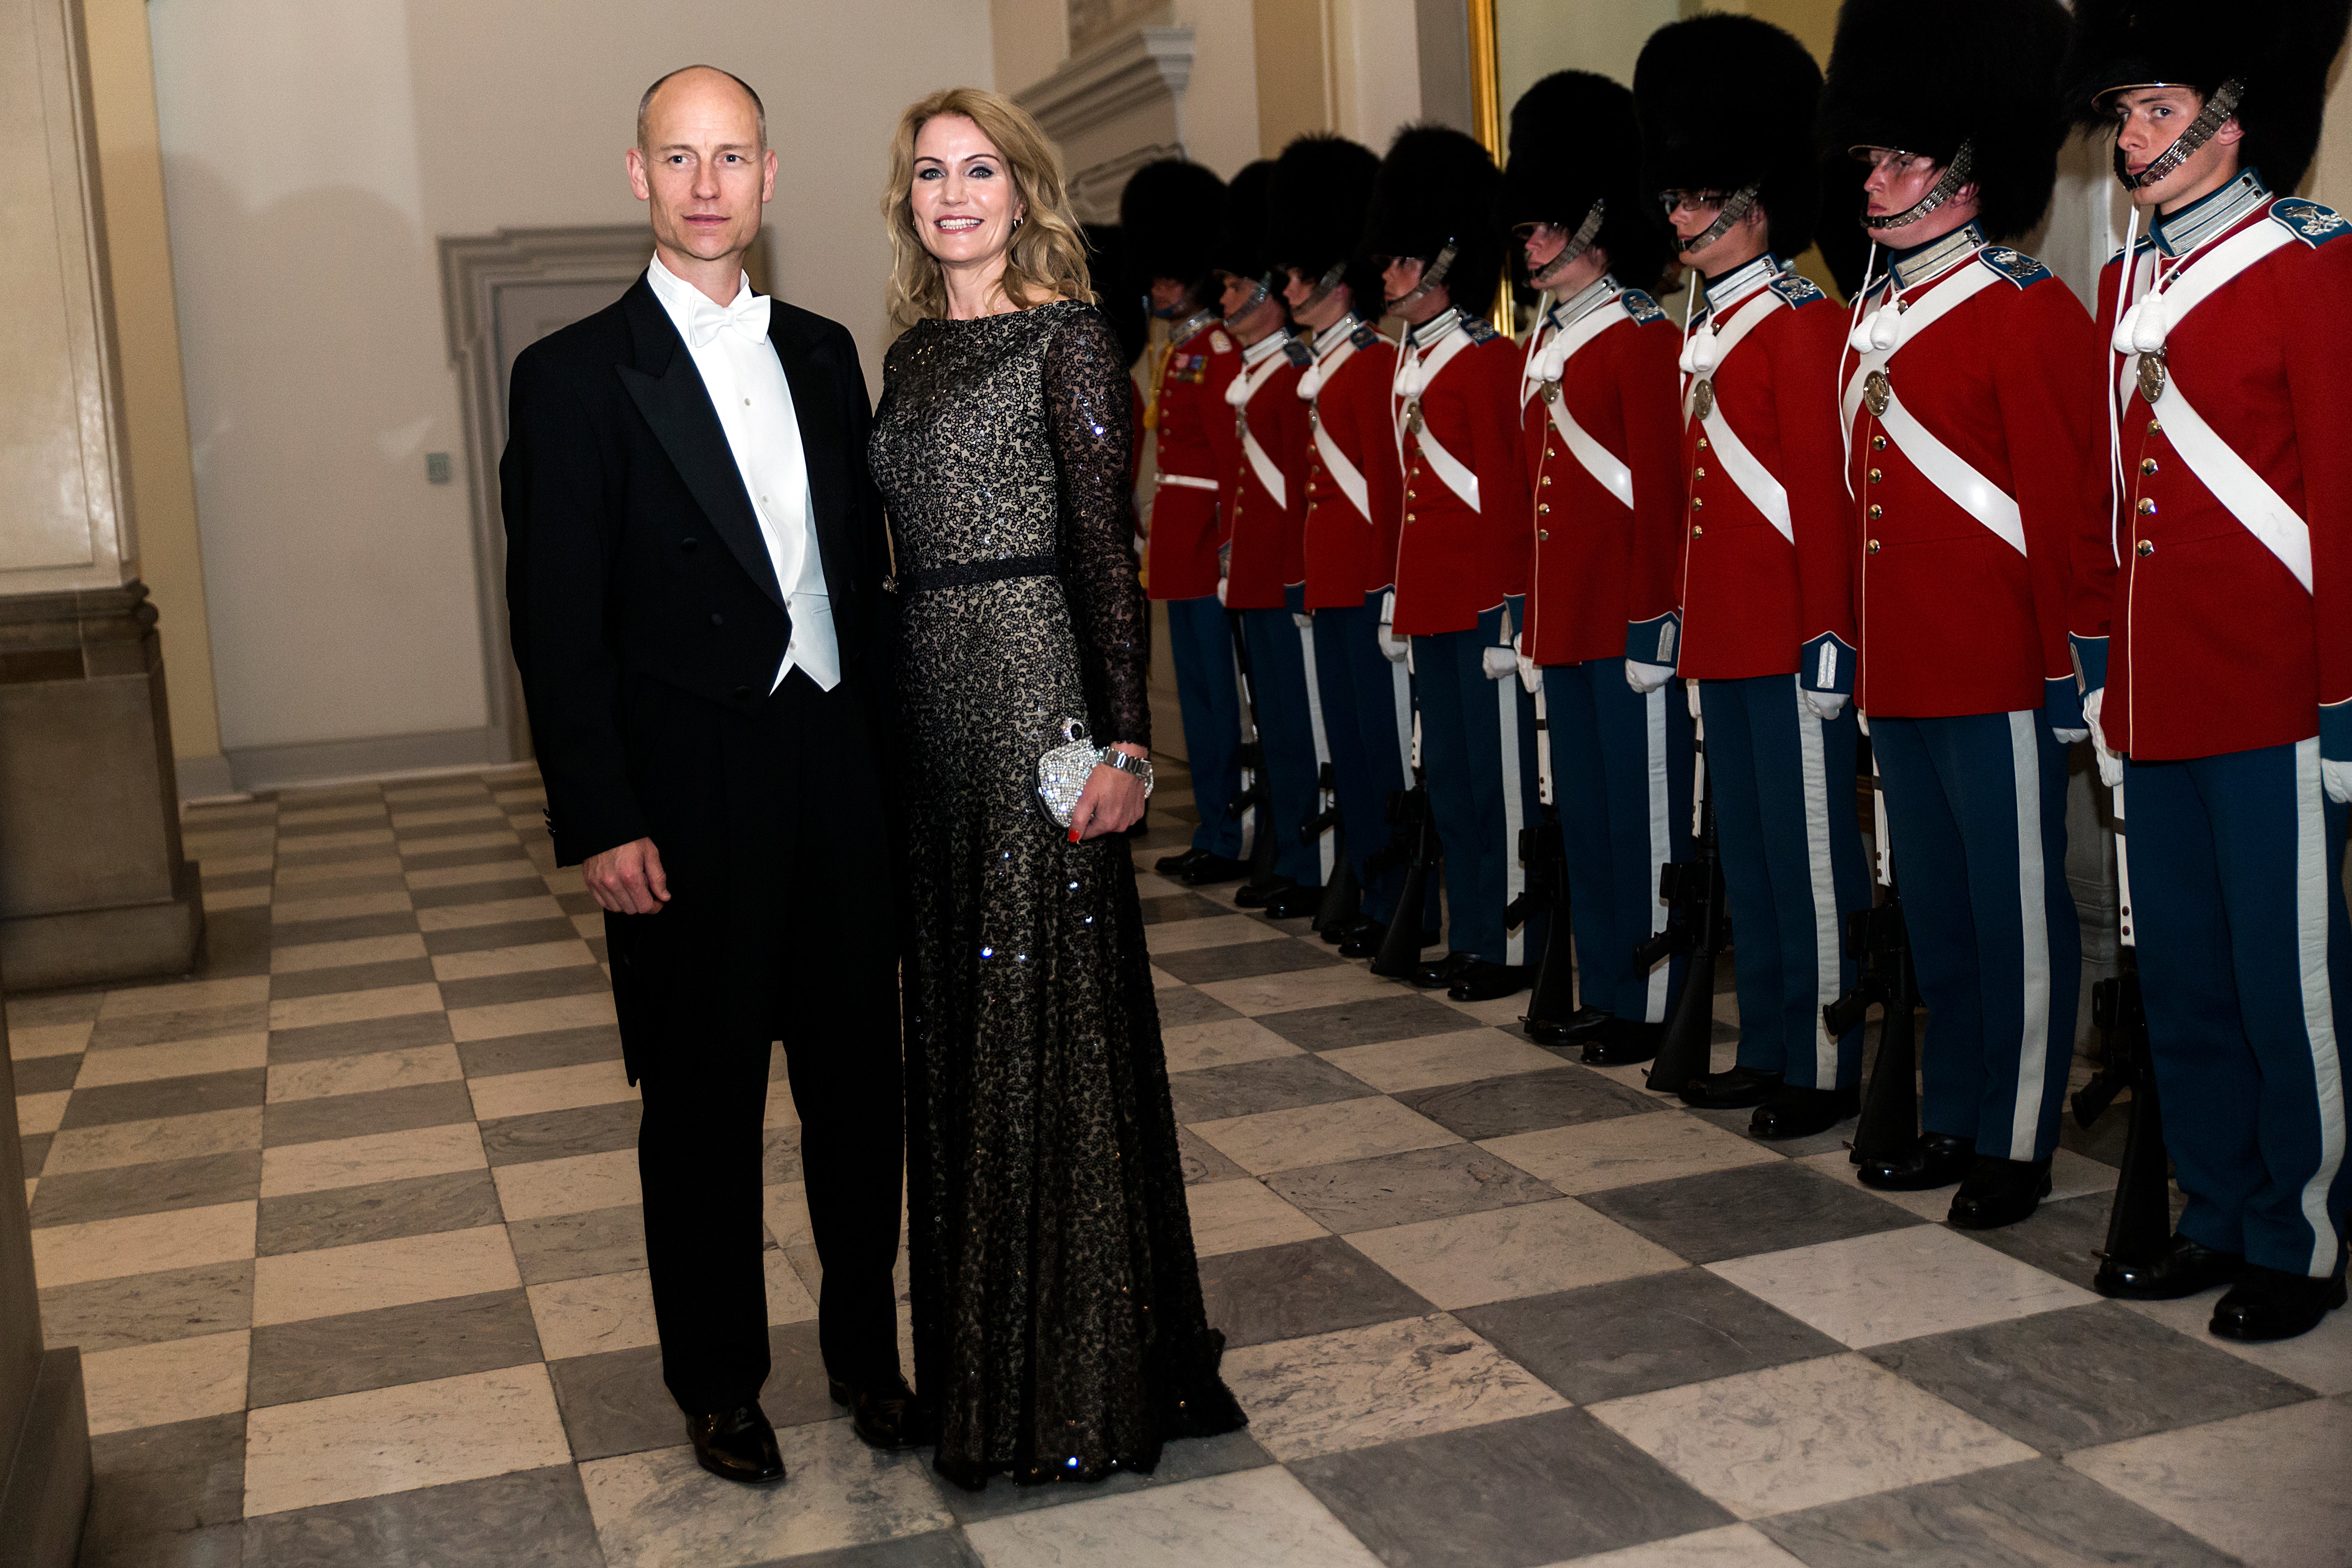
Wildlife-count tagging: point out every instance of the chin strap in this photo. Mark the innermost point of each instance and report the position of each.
(1579, 243)
(2218, 109)
(1947, 185)
(1735, 207)
(1431, 276)
(1323, 287)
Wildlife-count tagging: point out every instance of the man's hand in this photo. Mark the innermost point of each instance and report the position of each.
(627, 880)
(1112, 801)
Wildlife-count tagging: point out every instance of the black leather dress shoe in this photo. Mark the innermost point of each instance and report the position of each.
(1366, 943)
(1484, 982)
(1176, 865)
(1999, 1192)
(1732, 1089)
(2271, 1304)
(1582, 1023)
(885, 1414)
(1793, 1113)
(1257, 897)
(1211, 869)
(1299, 901)
(1341, 933)
(1622, 1043)
(1443, 972)
(2184, 1267)
(736, 1445)
(1938, 1160)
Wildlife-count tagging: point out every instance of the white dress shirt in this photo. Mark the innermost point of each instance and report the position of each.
(747, 386)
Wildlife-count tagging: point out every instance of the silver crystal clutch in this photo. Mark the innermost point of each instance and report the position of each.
(1063, 772)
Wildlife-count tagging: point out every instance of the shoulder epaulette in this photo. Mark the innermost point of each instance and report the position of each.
(1799, 291)
(1219, 341)
(2308, 221)
(1478, 330)
(2139, 247)
(1295, 351)
(1366, 335)
(2014, 265)
(1641, 308)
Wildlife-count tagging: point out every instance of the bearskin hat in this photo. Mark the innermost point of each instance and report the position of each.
(1438, 186)
(2280, 48)
(1315, 212)
(1168, 222)
(1241, 226)
(1574, 142)
(1727, 102)
(1927, 75)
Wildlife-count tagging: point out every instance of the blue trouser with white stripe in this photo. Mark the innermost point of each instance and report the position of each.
(1478, 754)
(1621, 774)
(1792, 870)
(1200, 642)
(1975, 810)
(2237, 904)
(1368, 718)
(1287, 721)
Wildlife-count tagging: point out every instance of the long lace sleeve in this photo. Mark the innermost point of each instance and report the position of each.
(1088, 406)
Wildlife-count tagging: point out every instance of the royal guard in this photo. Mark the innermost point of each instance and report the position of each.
(1167, 224)
(1462, 544)
(2214, 628)
(1726, 106)
(1265, 578)
(1353, 486)
(1973, 451)
(1603, 434)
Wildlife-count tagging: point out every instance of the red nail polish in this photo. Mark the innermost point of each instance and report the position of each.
(1074, 834)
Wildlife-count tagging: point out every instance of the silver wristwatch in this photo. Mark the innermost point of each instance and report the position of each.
(1139, 766)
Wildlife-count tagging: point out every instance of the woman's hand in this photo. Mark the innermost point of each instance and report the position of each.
(1112, 801)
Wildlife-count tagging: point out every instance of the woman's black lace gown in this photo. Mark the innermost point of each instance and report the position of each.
(1058, 1325)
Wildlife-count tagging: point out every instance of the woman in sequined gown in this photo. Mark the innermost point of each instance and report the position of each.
(1060, 1332)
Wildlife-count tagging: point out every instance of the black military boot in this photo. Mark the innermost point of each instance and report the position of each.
(2184, 1267)
(1733, 1091)
(2272, 1304)
(1999, 1192)
(1938, 1160)
(1793, 1113)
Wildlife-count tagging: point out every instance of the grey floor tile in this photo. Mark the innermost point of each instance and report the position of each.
(1639, 1335)
(316, 1042)
(376, 1110)
(1180, 907)
(1526, 1102)
(2086, 1376)
(431, 860)
(1184, 1006)
(34, 1151)
(1301, 1288)
(2038, 1514)
(155, 1489)
(530, 985)
(148, 1308)
(1203, 1163)
(780, 1154)
(574, 1246)
(531, 1053)
(81, 1195)
(1752, 1209)
(1511, 1494)
(1276, 1083)
(531, 1519)
(934, 1549)
(237, 943)
(615, 1402)
(1185, 1459)
(323, 1356)
(344, 887)
(1404, 1016)
(46, 1075)
(179, 1024)
(553, 1134)
(577, 903)
(293, 851)
(1736, 1123)
(512, 933)
(529, 887)
(165, 1097)
(343, 1217)
(1399, 1189)
(1245, 961)
(350, 977)
(214, 1546)
(345, 928)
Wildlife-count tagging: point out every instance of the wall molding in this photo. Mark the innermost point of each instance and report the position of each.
(311, 763)
(1114, 108)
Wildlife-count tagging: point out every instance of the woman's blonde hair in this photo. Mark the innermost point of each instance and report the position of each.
(1047, 257)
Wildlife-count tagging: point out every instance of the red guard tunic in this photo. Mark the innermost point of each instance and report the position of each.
(1963, 613)
(1187, 526)
(1601, 564)
(1753, 597)
(1259, 489)
(1455, 406)
(1351, 543)
(2216, 645)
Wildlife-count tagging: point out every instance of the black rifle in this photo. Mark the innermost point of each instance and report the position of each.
(2139, 1225)
(1544, 849)
(1881, 944)
(1701, 927)
(1342, 896)
(1413, 842)
(1257, 795)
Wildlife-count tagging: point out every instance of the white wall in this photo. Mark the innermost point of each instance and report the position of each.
(314, 153)
(1377, 68)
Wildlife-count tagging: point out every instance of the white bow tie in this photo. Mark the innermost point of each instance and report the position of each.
(747, 315)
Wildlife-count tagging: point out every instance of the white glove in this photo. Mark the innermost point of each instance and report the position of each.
(1861, 720)
(1220, 590)
(1393, 648)
(1530, 676)
(2110, 764)
(1647, 677)
(1827, 704)
(1302, 620)
(1499, 663)
(2068, 737)
(2336, 779)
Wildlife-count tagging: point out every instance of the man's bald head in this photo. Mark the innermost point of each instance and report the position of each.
(685, 74)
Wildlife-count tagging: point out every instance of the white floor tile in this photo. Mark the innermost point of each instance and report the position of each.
(1732, 1546)
(402, 1438)
(146, 1001)
(144, 1143)
(1899, 1284)
(356, 950)
(183, 1058)
(590, 1010)
(1215, 931)
(293, 1168)
(2269, 1487)
(39, 1113)
(1241, 1215)
(143, 1244)
(364, 1074)
(1626, 1151)
(574, 1184)
(295, 1286)
(552, 1088)
(355, 1006)
(511, 960)
(1393, 1067)
(1252, 1519)
(1495, 1255)
(1321, 1134)
(153, 1386)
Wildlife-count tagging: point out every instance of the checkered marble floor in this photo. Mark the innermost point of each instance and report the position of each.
(346, 1228)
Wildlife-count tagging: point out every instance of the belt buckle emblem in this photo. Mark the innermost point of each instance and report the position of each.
(1876, 394)
(1703, 399)
(2151, 377)
(1412, 417)
(1550, 392)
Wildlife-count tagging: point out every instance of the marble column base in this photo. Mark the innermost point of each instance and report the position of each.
(46, 1493)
